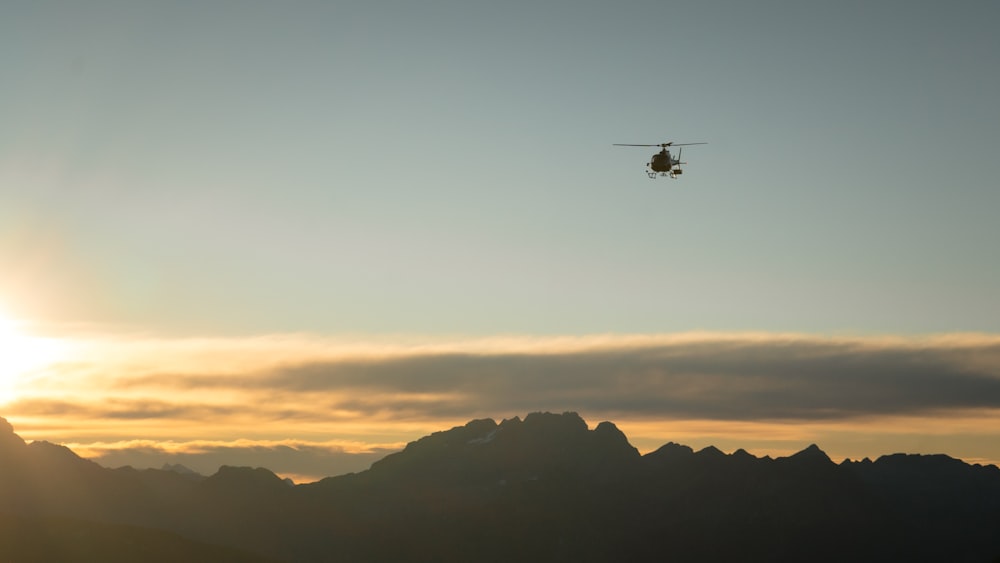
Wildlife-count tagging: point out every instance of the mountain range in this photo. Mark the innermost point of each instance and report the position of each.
(545, 488)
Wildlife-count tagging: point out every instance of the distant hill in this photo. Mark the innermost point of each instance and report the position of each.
(545, 488)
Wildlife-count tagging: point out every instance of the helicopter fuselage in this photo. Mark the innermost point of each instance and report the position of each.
(662, 162)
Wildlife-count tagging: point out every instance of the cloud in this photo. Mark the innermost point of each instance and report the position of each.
(300, 460)
(777, 387)
(725, 378)
(123, 409)
(716, 377)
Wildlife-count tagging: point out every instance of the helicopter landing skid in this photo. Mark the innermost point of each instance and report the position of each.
(653, 175)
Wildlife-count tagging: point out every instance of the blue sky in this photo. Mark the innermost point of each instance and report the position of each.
(177, 177)
(447, 167)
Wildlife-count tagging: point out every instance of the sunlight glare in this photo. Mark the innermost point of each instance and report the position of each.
(20, 354)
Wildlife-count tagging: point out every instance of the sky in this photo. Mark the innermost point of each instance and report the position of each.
(301, 234)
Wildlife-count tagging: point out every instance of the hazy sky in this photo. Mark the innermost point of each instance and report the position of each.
(418, 171)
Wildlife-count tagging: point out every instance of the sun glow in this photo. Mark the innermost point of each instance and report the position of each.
(21, 354)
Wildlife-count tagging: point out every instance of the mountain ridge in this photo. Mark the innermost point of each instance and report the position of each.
(544, 488)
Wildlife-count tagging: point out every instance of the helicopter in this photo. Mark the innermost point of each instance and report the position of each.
(662, 163)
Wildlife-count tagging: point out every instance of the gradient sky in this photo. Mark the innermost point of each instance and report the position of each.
(402, 174)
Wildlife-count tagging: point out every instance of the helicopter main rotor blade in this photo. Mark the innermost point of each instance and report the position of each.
(662, 145)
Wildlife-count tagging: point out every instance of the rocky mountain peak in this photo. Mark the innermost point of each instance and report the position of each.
(811, 453)
(8, 439)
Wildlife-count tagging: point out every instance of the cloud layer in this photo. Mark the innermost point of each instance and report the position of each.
(276, 389)
(723, 379)
(298, 460)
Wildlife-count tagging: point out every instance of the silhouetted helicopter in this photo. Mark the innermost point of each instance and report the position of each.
(662, 163)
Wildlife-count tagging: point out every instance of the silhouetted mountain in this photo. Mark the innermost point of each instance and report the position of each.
(10, 443)
(48, 539)
(546, 488)
(482, 452)
(178, 468)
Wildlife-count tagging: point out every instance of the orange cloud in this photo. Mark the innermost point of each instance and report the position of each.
(773, 390)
